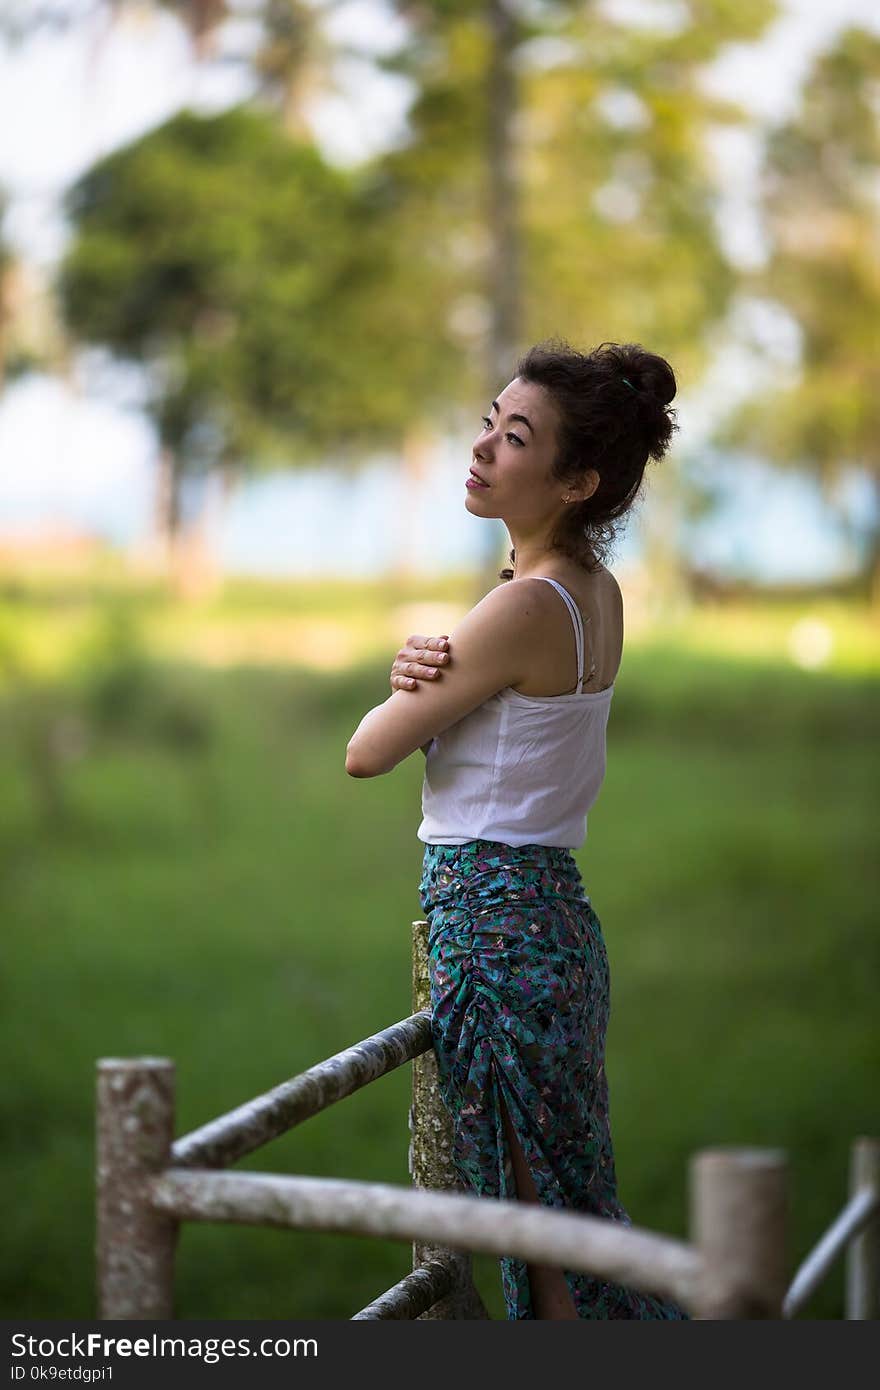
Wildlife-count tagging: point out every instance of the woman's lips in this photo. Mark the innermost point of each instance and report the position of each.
(474, 482)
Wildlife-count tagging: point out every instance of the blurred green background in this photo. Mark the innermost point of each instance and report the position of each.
(188, 871)
(188, 247)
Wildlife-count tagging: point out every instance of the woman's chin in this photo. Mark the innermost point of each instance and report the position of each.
(477, 495)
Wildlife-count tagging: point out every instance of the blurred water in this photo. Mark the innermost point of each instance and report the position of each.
(75, 461)
(85, 464)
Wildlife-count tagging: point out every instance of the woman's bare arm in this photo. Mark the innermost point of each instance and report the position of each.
(494, 644)
(420, 658)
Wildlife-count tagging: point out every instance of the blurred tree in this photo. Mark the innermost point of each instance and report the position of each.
(621, 199)
(31, 334)
(202, 18)
(294, 59)
(820, 196)
(22, 19)
(233, 264)
(558, 177)
(6, 262)
(554, 181)
(456, 193)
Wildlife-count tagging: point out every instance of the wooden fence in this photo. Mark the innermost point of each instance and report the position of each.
(147, 1183)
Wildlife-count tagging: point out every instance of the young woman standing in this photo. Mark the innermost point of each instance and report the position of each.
(514, 736)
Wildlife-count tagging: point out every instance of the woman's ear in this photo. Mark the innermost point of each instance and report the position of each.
(581, 491)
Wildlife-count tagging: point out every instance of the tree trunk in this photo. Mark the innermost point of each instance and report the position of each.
(503, 227)
(299, 87)
(872, 563)
(501, 182)
(198, 572)
(411, 544)
(6, 280)
(203, 19)
(155, 555)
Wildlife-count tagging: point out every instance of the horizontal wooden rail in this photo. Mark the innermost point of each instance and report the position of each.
(221, 1142)
(414, 1295)
(853, 1219)
(610, 1250)
(734, 1267)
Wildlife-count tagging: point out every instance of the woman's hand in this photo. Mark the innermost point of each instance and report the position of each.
(420, 658)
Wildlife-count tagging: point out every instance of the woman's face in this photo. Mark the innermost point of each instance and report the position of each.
(513, 453)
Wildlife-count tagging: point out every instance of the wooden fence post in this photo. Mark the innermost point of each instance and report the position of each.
(738, 1225)
(863, 1254)
(135, 1244)
(430, 1151)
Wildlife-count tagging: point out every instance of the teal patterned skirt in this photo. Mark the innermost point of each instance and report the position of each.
(520, 1001)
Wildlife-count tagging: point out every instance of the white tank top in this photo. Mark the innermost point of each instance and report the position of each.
(520, 769)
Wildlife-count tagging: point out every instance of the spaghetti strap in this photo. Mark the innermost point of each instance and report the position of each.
(578, 624)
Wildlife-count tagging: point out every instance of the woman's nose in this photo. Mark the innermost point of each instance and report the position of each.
(481, 442)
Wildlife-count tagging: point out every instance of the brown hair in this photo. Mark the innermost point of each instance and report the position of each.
(614, 415)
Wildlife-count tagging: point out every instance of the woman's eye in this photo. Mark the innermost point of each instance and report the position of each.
(487, 424)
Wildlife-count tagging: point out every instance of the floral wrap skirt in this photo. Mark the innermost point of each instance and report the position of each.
(520, 1002)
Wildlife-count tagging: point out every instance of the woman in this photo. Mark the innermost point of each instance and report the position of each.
(514, 736)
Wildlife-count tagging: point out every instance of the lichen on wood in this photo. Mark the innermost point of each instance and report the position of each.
(414, 1295)
(430, 1153)
(135, 1243)
(251, 1125)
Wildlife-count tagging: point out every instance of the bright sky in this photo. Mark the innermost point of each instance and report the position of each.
(70, 452)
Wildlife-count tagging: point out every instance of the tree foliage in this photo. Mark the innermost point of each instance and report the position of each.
(5, 305)
(233, 264)
(616, 196)
(820, 196)
(286, 309)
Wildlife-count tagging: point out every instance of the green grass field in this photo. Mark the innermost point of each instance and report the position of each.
(212, 887)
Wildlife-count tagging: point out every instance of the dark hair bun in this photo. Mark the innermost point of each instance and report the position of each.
(614, 415)
(650, 374)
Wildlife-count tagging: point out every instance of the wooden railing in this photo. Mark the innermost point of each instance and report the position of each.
(148, 1182)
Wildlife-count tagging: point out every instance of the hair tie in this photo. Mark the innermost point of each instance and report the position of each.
(629, 384)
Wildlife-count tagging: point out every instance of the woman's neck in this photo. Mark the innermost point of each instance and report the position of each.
(531, 560)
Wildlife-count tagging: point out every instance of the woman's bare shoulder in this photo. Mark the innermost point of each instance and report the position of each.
(512, 616)
(611, 584)
(588, 586)
(513, 598)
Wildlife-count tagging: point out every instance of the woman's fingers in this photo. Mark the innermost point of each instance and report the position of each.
(420, 658)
